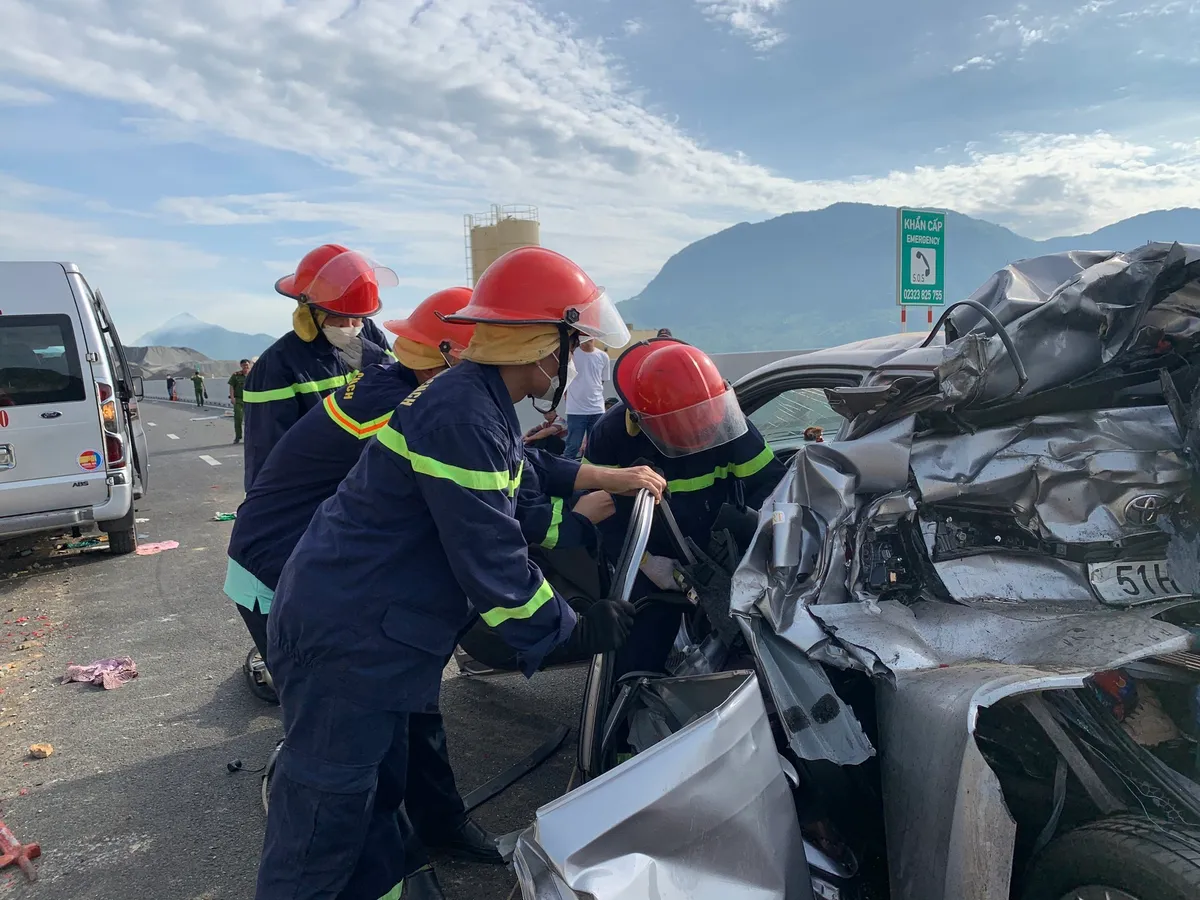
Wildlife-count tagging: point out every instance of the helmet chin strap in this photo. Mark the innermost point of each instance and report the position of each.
(564, 360)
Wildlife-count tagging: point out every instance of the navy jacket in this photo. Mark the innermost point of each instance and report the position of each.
(310, 461)
(289, 379)
(742, 472)
(373, 598)
(306, 466)
(548, 521)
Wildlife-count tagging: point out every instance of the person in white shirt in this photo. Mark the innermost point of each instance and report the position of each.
(585, 396)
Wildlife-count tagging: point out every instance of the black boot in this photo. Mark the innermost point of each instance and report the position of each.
(469, 841)
(423, 885)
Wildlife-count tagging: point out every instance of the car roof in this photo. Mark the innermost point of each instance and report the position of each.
(893, 351)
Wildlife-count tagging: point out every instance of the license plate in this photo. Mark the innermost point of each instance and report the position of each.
(1131, 581)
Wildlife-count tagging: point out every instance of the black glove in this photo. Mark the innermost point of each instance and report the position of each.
(603, 628)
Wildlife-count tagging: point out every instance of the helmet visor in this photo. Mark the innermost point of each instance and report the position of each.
(348, 285)
(696, 428)
(599, 320)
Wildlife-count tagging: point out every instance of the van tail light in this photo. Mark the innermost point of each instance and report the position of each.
(114, 442)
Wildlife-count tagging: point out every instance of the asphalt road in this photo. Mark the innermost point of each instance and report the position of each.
(136, 801)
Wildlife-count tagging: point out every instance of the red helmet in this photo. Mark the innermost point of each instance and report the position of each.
(677, 397)
(341, 282)
(536, 286)
(425, 326)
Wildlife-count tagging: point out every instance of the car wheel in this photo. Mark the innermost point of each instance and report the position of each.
(1121, 858)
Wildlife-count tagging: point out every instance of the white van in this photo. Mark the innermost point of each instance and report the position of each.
(72, 445)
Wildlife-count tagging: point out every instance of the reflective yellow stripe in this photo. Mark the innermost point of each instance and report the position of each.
(361, 430)
(303, 387)
(500, 614)
(516, 484)
(737, 470)
(556, 514)
(472, 479)
(395, 893)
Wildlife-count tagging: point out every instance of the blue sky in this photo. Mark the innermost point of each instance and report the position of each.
(187, 152)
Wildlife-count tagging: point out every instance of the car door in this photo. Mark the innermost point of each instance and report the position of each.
(128, 389)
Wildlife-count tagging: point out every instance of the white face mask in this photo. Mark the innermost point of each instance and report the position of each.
(342, 336)
(552, 390)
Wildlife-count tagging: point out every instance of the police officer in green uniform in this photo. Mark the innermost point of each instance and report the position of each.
(237, 383)
(201, 392)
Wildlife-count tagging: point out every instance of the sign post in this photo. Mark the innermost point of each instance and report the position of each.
(920, 261)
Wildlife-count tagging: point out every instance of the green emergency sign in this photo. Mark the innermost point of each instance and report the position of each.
(920, 258)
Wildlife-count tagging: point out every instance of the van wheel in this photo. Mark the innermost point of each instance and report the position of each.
(122, 534)
(1123, 858)
(122, 542)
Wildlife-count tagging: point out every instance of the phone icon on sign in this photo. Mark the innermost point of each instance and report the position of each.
(922, 266)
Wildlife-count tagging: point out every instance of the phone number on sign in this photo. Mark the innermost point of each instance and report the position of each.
(918, 295)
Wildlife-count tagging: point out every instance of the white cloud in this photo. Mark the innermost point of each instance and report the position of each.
(16, 96)
(976, 62)
(473, 101)
(633, 27)
(748, 18)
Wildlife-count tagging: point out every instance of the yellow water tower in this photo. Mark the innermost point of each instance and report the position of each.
(490, 235)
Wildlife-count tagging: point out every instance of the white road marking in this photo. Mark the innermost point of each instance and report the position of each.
(173, 437)
(204, 418)
(152, 424)
(210, 460)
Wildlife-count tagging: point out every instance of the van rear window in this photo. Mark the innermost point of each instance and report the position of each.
(39, 361)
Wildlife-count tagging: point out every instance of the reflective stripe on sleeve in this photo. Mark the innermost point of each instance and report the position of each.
(361, 430)
(500, 614)
(737, 470)
(472, 479)
(303, 387)
(556, 515)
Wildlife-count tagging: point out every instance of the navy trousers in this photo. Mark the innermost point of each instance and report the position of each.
(335, 830)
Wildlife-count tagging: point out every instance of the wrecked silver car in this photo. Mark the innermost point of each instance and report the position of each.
(956, 660)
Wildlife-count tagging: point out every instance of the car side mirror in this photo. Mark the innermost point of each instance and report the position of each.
(138, 385)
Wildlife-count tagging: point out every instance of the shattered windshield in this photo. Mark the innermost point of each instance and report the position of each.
(785, 417)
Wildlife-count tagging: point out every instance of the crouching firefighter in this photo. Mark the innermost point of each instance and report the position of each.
(677, 414)
(373, 599)
(331, 338)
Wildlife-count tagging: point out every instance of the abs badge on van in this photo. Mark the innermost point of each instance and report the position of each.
(89, 460)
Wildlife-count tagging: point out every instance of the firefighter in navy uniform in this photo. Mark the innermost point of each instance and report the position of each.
(303, 470)
(331, 338)
(679, 415)
(374, 597)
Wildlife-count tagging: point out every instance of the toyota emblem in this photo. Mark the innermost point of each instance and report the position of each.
(1144, 510)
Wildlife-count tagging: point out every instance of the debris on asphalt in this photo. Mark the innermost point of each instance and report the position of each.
(41, 751)
(12, 851)
(81, 545)
(155, 547)
(107, 673)
(224, 517)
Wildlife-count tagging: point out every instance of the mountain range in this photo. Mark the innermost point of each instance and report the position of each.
(798, 281)
(826, 277)
(215, 342)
